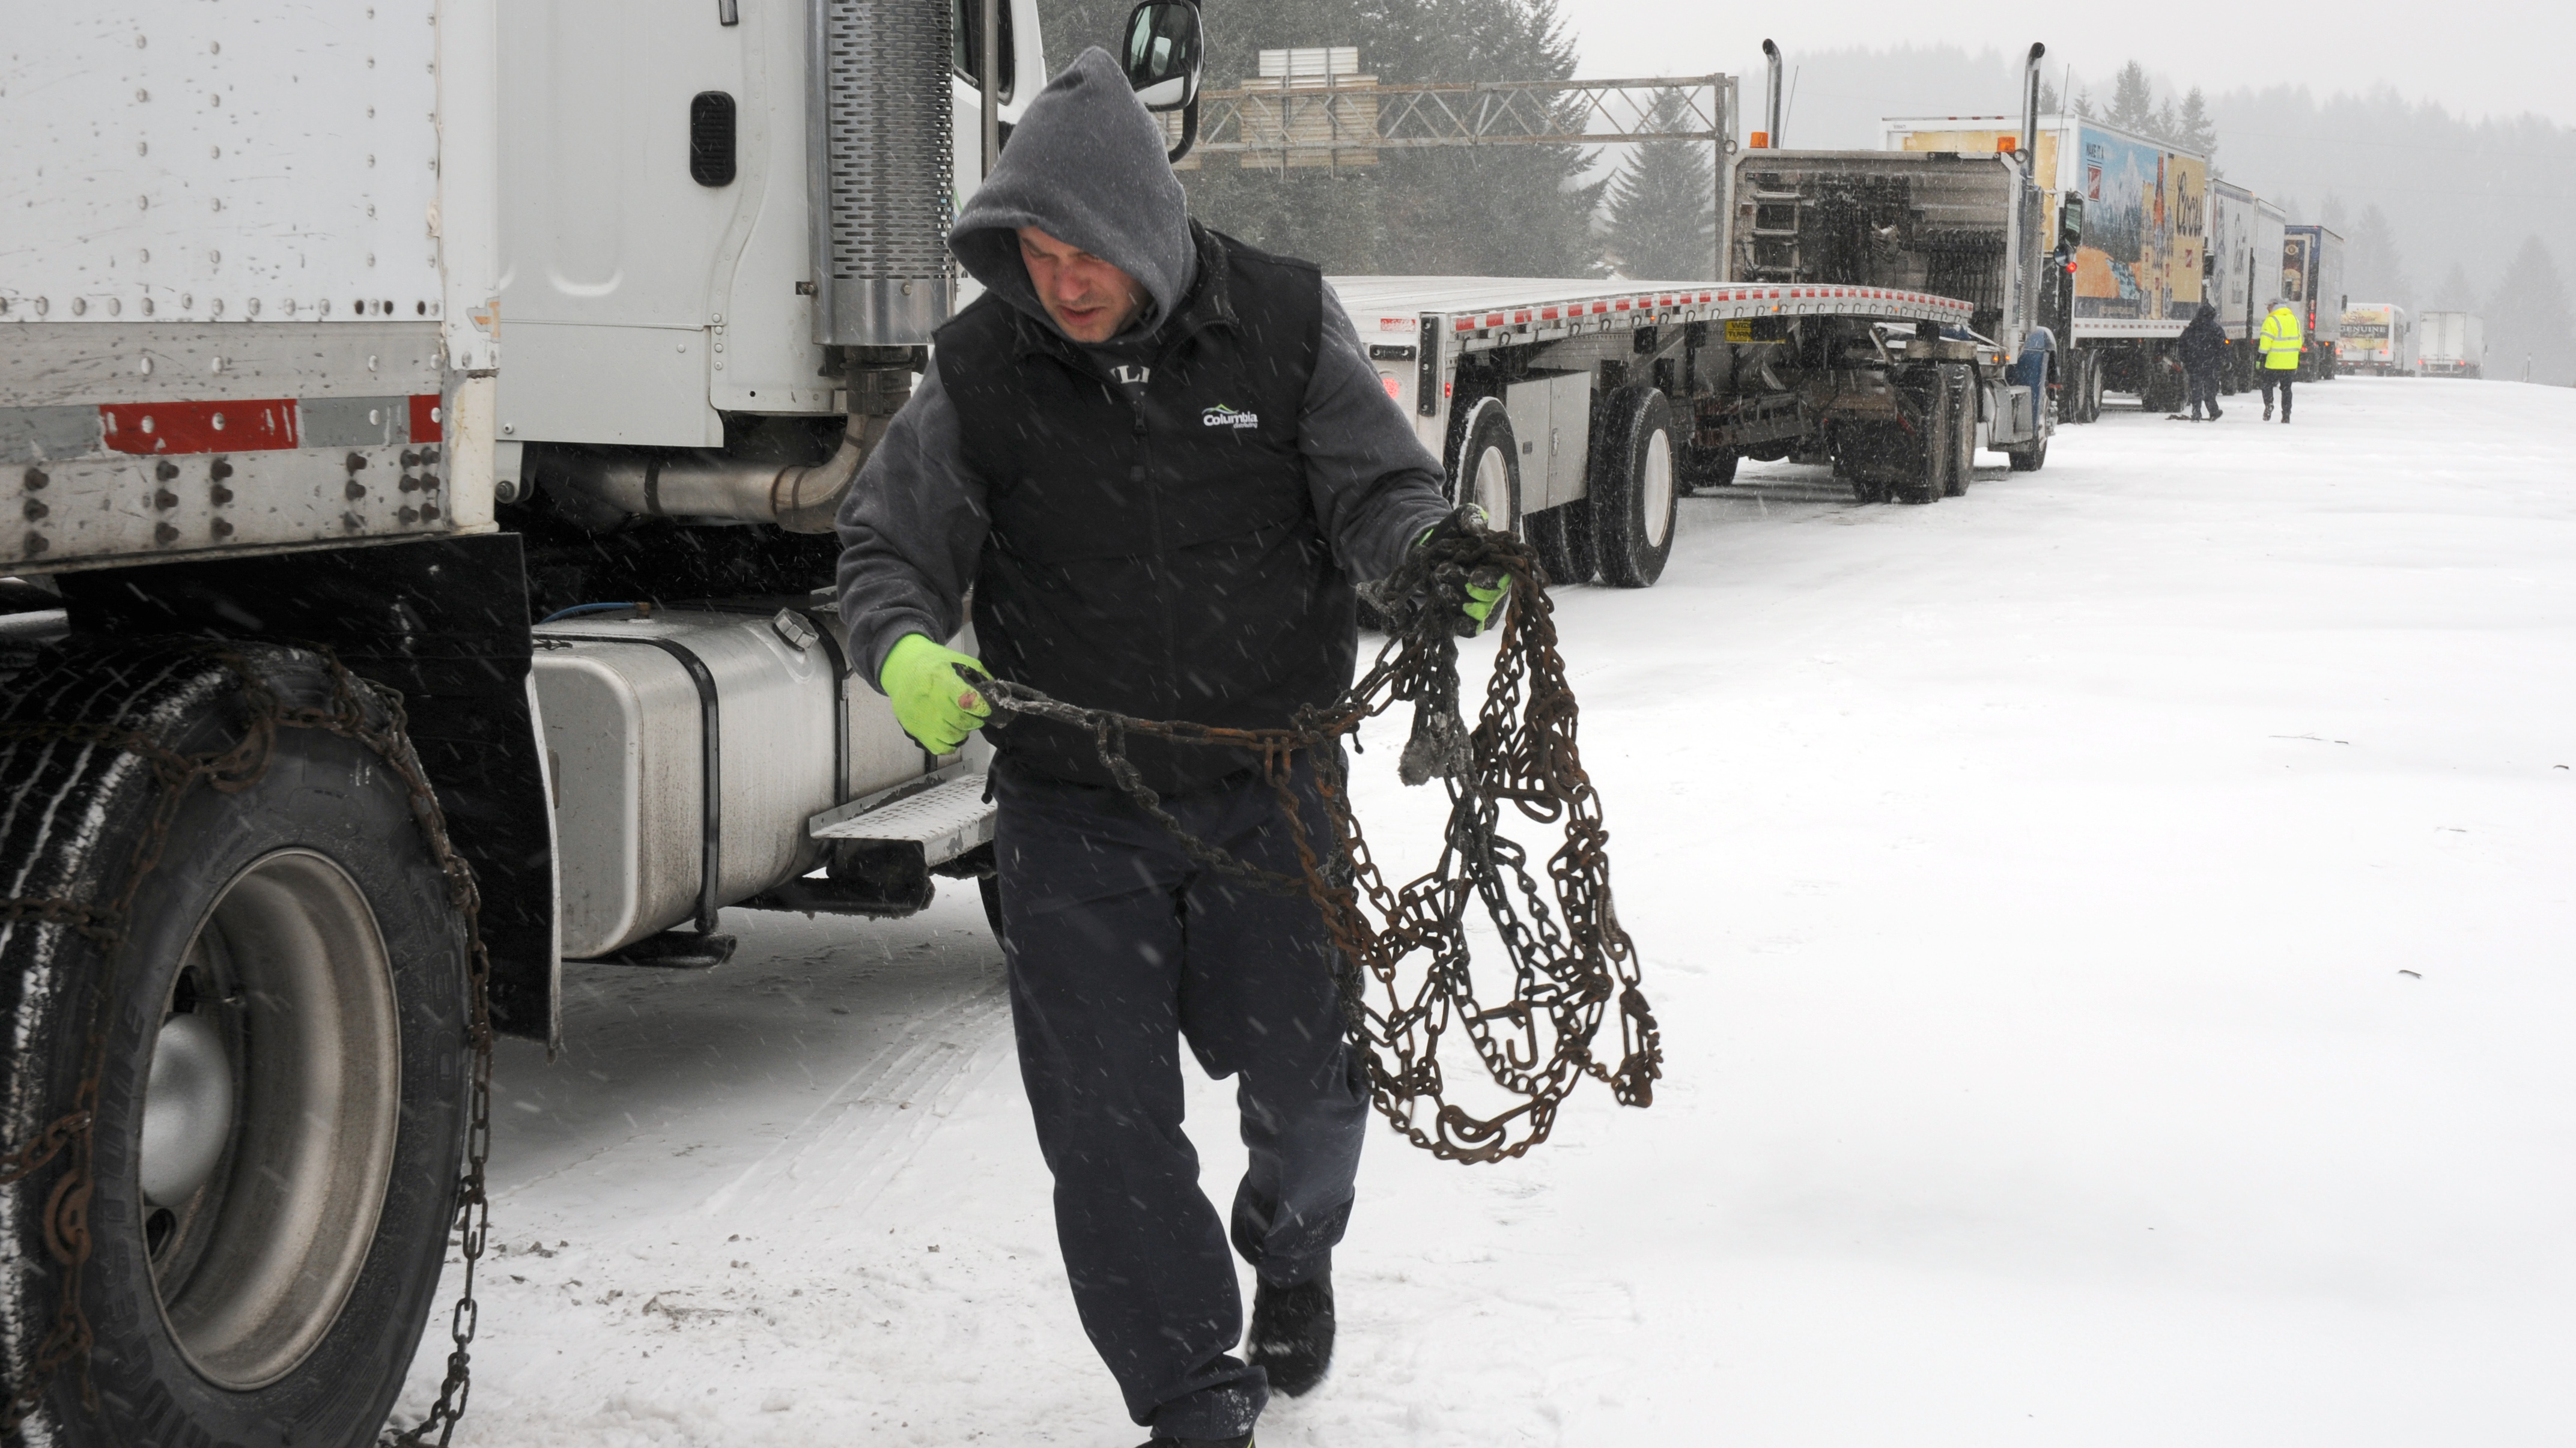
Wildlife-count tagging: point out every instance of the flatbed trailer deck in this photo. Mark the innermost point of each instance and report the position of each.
(1533, 392)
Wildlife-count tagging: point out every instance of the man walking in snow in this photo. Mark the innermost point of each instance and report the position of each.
(2282, 341)
(2203, 348)
(1160, 459)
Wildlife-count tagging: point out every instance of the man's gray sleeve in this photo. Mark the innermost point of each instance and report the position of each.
(911, 531)
(1376, 487)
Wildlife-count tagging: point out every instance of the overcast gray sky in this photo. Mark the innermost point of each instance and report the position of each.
(2475, 57)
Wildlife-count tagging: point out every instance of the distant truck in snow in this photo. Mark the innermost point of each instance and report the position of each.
(2378, 338)
(2312, 282)
(2243, 270)
(2451, 344)
(2132, 219)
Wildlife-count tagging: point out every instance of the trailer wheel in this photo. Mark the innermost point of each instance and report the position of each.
(1489, 466)
(1962, 412)
(1706, 467)
(2029, 459)
(1633, 492)
(2088, 406)
(1924, 455)
(281, 1109)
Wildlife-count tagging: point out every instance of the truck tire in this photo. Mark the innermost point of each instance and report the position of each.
(2090, 405)
(1634, 497)
(1928, 453)
(281, 1108)
(1489, 466)
(1963, 430)
(1706, 467)
(2029, 459)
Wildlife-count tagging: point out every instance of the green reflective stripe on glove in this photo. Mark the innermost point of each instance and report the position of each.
(935, 706)
(1481, 601)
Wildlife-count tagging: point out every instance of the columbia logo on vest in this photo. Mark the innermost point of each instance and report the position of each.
(1224, 416)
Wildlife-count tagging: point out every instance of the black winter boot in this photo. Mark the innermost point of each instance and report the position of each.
(1292, 1334)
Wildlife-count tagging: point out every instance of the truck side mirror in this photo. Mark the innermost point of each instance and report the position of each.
(1164, 53)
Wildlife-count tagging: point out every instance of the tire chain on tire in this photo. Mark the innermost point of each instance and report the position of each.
(1522, 750)
(229, 771)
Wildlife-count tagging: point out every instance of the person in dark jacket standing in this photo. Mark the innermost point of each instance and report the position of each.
(1161, 459)
(2204, 352)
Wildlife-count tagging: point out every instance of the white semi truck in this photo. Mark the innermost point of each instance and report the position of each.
(420, 424)
(364, 337)
(2452, 344)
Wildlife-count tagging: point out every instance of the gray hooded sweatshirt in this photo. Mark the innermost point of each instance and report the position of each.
(1086, 165)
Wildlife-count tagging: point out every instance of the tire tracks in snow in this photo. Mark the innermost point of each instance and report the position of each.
(875, 1121)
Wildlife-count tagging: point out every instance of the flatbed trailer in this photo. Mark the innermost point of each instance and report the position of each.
(1579, 411)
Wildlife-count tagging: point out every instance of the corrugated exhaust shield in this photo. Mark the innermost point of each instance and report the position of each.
(878, 160)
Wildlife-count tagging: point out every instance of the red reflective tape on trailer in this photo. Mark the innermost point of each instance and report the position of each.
(1621, 304)
(1520, 316)
(1599, 307)
(1466, 324)
(1550, 314)
(149, 428)
(426, 420)
(1495, 320)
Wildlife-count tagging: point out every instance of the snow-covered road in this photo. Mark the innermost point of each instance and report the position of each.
(2113, 940)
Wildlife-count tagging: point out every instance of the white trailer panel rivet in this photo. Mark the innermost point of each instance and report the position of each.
(147, 422)
(214, 258)
(41, 305)
(143, 148)
(215, 98)
(115, 308)
(143, 95)
(138, 42)
(251, 306)
(219, 422)
(216, 307)
(214, 47)
(371, 364)
(509, 427)
(143, 364)
(147, 306)
(214, 153)
(80, 306)
(142, 203)
(215, 364)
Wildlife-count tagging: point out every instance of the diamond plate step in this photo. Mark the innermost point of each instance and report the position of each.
(946, 820)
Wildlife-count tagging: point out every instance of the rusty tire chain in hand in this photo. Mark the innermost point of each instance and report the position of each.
(1569, 964)
(229, 771)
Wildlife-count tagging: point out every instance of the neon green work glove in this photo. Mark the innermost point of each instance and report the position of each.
(1478, 605)
(936, 707)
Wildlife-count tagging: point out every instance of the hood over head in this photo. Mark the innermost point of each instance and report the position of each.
(1087, 166)
(2207, 313)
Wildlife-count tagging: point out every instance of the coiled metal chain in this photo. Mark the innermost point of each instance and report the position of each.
(1407, 982)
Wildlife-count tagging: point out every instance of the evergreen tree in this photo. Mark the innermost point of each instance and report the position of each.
(2331, 216)
(2133, 101)
(2084, 104)
(2193, 129)
(1663, 203)
(2528, 321)
(2456, 293)
(2374, 268)
(2163, 127)
(1498, 211)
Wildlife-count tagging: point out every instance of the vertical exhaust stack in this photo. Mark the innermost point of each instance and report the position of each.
(878, 144)
(2030, 111)
(1771, 96)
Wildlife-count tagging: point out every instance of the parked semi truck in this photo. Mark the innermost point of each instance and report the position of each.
(337, 337)
(2244, 269)
(2132, 216)
(422, 426)
(2377, 338)
(2312, 283)
(2451, 344)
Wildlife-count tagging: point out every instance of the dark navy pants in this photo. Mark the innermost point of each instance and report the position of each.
(1119, 949)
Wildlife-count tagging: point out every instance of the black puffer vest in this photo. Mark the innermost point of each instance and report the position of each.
(1161, 558)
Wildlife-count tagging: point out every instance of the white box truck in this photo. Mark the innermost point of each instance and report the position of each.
(420, 423)
(2130, 217)
(2377, 338)
(2451, 344)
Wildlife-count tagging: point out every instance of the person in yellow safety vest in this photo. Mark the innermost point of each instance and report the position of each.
(2282, 341)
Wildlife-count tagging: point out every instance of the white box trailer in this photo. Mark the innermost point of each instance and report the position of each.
(2131, 216)
(419, 425)
(2244, 259)
(2377, 338)
(2451, 344)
